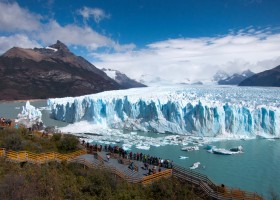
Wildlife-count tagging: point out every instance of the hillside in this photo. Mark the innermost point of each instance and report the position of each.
(236, 78)
(268, 78)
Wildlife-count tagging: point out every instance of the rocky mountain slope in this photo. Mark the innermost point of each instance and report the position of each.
(53, 71)
(236, 78)
(268, 78)
(122, 79)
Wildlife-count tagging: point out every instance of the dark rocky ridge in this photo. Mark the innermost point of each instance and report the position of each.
(41, 73)
(236, 78)
(268, 78)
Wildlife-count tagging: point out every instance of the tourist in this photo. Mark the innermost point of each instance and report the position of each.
(161, 162)
(146, 166)
(131, 166)
(108, 157)
(154, 169)
(141, 156)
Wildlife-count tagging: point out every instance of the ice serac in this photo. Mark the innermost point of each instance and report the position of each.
(198, 111)
(29, 115)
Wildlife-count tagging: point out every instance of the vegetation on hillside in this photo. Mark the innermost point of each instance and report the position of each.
(21, 139)
(71, 181)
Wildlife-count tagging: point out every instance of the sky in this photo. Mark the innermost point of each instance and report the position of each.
(176, 40)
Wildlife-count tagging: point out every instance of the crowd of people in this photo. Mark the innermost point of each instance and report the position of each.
(151, 163)
(5, 122)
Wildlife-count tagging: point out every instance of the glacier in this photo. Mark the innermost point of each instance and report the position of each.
(216, 111)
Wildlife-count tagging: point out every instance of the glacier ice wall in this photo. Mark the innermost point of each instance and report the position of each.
(198, 111)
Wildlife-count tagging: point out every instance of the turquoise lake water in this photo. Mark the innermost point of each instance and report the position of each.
(255, 170)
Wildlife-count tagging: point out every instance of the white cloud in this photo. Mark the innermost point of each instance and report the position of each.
(198, 58)
(72, 34)
(18, 40)
(97, 14)
(14, 18)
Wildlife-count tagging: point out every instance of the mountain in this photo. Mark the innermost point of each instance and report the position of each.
(236, 78)
(197, 83)
(153, 80)
(220, 75)
(122, 79)
(268, 78)
(53, 71)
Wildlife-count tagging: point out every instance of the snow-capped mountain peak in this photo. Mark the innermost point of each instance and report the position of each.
(220, 75)
(236, 78)
(124, 81)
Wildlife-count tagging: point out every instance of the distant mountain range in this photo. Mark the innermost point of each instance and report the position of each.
(268, 78)
(53, 71)
(220, 78)
(122, 79)
(220, 75)
(236, 78)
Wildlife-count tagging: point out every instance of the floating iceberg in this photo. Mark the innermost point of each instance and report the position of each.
(183, 157)
(237, 149)
(195, 165)
(29, 116)
(222, 151)
(229, 112)
(190, 148)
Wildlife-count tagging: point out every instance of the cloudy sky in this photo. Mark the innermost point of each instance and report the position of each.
(172, 39)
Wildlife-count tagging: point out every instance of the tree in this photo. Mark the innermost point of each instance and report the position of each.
(68, 143)
(13, 142)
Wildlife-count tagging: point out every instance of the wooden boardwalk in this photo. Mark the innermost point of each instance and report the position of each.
(138, 175)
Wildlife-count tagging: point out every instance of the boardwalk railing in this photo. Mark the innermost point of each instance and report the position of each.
(211, 189)
(154, 177)
(2, 152)
(40, 158)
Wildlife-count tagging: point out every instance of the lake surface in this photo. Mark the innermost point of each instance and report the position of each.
(257, 169)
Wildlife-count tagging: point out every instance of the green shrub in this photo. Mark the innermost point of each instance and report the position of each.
(56, 137)
(68, 143)
(13, 142)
